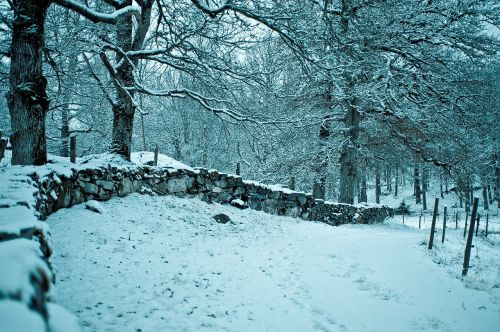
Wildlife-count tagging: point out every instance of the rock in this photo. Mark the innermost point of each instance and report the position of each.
(94, 206)
(221, 218)
(239, 204)
(108, 185)
(91, 188)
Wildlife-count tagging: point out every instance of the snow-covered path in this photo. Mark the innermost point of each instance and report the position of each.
(163, 264)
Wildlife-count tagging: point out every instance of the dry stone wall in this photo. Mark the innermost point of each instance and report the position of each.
(209, 185)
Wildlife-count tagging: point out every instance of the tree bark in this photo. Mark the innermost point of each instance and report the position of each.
(486, 204)
(352, 119)
(27, 100)
(377, 185)
(348, 156)
(65, 115)
(362, 195)
(396, 183)
(416, 185)
(127, 39)
(124, 109)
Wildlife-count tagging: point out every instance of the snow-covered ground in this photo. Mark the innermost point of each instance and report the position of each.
(163, 264)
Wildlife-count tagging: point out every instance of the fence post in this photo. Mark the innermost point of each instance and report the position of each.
(291, 184)
(469, 237)
(155, 160)
(433, 225)
(419, 221)
(456, 219)
(238, 168)
(72, 149)
(444, 224)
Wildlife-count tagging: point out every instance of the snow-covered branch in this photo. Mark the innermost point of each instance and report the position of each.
(98, 17)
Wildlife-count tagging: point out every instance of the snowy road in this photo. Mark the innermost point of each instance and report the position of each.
(163, 264)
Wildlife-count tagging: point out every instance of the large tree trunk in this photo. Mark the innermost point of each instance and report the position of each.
(348, 155)
(124, 109)
(123, 125)
(127, 39)
(27, 99)
(349, 152)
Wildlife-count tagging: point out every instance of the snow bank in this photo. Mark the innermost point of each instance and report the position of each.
(147, 158)
(15, 316)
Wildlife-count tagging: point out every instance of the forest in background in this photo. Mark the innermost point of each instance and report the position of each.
(346, 94)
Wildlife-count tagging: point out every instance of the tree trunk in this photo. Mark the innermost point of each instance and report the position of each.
(124, 109)
(127, 39)
(362, 195)
(497, 179)
(441, 185)
(27, 100)
(65, 116)
(204, 156)
(388, 180)
(377, 185)
(486, 204)
(396, 183)
(348, 156)
(416, 185)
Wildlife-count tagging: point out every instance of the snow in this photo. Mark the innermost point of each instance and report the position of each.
(23, 258)
(15, 316)
(142, 157)
(163, 264)
(94, 206)
(16, 218)
(60, 320)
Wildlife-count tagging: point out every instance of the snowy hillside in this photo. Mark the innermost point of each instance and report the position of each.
(164, 264)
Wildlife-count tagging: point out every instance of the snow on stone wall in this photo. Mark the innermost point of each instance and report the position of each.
(29, 195)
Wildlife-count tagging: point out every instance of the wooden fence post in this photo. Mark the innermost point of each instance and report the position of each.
(469, 237)
(238, 168)
(456, 219)
(72, 149)
(433, 225)
(444, 224)
(155, 160)
(419, 221)
(291, 184)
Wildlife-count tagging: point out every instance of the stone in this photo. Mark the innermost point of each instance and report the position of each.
(239, 203)
(239, 191)
(91, 188)
(222, 218)
(108, 185)
(176, 185)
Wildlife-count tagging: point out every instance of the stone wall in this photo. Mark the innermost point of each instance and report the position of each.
(30, 195)
(103, 183)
